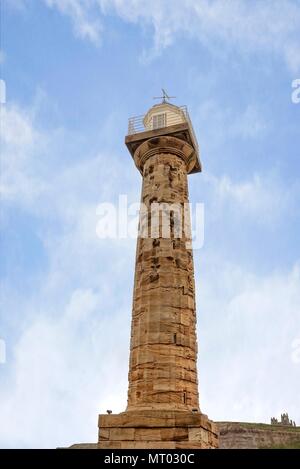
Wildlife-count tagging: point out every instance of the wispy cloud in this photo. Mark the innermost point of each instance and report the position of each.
(251, 321)
(60, 378)
(85, 24)
(63, 327)
(269, 27)
(225, 122)
(263, 198)
(20, 144)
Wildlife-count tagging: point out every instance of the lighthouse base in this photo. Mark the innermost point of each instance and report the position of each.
(157, 429)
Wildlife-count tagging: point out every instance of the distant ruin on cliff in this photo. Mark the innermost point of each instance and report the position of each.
(284, 420)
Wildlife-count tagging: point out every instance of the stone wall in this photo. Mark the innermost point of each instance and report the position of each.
(237, 435)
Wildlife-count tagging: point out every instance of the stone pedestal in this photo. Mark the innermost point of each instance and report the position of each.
(157, 429)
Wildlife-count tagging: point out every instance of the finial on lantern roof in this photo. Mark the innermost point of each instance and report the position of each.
(165, 97)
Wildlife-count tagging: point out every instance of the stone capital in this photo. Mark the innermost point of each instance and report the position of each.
(165, 144)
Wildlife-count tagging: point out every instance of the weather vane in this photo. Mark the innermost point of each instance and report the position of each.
(165, 97)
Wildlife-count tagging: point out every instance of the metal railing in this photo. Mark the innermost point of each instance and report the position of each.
(136, 124)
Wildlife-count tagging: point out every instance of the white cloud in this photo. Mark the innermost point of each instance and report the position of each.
(247, 328)
(20, 144)
(63, 374)
(71, 322)
(65, 332)
(16, 127)
(262, 199)
(85, 24)
(270, 26)
(248, 123)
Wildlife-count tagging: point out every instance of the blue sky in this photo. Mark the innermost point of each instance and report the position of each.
(75, 71)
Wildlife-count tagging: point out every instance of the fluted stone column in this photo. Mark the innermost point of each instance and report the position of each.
(163, 348)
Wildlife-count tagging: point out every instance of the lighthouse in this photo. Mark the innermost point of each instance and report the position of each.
(163, 409)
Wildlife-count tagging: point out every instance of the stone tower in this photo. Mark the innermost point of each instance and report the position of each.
(163, 405)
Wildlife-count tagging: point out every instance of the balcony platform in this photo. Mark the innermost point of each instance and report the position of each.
(181, 131)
